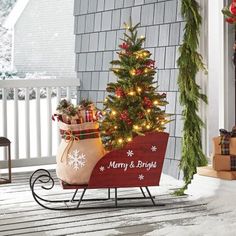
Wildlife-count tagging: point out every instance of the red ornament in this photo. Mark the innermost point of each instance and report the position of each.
(129, 122)
(230, 20)
(150, 63)
(140, 115)
(119, 92)
(232, 8)
(138, 72)
(124, 46)
(125, 117)
(147, 102)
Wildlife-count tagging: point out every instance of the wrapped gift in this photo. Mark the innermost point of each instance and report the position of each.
(76, 114)
(221, 162)
(88, 114)
(225, 144)
(224, 162)
(79, 151)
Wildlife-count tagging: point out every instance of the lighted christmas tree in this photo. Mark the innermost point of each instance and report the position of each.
(133, 104)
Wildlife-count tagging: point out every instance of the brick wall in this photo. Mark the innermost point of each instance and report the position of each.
(98, 28)
(44, 38)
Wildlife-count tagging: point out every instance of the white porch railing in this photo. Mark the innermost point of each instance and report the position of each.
(27, 123)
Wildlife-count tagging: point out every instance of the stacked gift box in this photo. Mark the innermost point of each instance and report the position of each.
(223, 157)
(224, 151)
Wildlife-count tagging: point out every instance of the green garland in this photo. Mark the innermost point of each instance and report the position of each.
(190, 63)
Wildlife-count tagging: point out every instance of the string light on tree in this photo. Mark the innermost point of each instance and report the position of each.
(132, 72)
(120, 140)
(131, 93)
(129, 139)
(133, 104)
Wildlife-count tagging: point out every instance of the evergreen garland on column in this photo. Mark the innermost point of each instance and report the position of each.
(190, 63)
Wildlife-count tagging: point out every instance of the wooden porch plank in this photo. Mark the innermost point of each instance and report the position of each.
(61, 194)
(51, 218)
(64, 227)
(31, 205)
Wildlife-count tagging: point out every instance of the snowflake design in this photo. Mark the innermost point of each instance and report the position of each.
(141, 177)
(130, 153)
(102, 168)
(76, 159)
(154, 148)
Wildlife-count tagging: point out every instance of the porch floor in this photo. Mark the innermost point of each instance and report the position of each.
(21, 215)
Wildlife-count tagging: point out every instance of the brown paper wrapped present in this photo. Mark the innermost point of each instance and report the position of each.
(221, 162)
(79, 151)
(217, 146)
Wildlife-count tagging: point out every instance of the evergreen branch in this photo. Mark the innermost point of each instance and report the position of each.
(190, 63)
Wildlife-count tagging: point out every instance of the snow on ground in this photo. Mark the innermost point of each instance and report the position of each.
(221, 218)
(217, 225)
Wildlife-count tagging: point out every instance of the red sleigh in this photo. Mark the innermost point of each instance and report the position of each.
(138, 164)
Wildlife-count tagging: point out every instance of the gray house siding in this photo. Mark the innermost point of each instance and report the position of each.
(98, 28)
(44, 38)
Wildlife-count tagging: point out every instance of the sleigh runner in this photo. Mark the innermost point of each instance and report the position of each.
(138, 164)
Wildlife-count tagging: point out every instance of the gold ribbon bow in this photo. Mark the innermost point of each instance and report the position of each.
(69, 139)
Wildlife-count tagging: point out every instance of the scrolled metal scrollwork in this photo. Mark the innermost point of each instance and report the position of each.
(44, 178)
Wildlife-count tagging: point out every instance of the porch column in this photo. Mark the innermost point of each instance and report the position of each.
(220, 110)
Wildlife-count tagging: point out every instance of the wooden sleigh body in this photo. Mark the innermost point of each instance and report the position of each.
(138, 164)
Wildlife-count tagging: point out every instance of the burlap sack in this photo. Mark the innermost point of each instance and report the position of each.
(217, 146)
(78, 153)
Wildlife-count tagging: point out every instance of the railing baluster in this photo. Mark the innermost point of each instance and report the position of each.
(38, 122)
(16, 123)
(27, 124)
(68, 93)
(58, 100)
(4, 117)
(49, 120)
(58, 94)
(4, 111)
